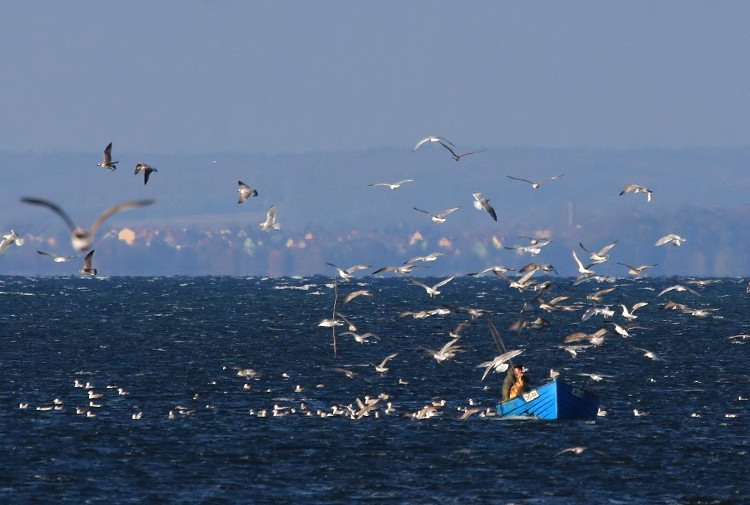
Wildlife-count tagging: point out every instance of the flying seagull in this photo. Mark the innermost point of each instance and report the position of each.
(535, 184)
(245, 192)
(433, 290)
(270, 223)
(9, 239)
(87, 269)
(392, 185)
(458, 157)
(107, 159)
(440, 216)
(146, 169)
(431, 138)
(599, 256)
(585, 270)
(637, 189)
(430, 257)
(346, 274)
(80, 238)
(55, 257)
(637, 271)
(381, 367)
(482, 203)
(672, 238)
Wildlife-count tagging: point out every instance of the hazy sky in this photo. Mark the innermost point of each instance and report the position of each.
(278, 76)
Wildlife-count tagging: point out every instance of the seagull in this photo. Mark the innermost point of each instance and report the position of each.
(347, 274)
(9, 239)
(80, 238)
(637, 271)
(392, 185)
(431, 138)
(381, 368)
(630, 314)
(354, 294)
(430, 257)
(440, 216)
(605, 312)
(648, 354)
(458, 157)
(534, 248)
(87, 269)
(245, 192)
(584, 270)
(597, 296)
(595, 338)
(595, 376)
(361, 337)
(637, 189)
(498, 363)
(498, 270)
(270, 222)
(55, 257)
(672, 238)
(446, 352)
(678, 287)
(107, 160)
(482, 203)
(433, 290)
(599, 256)
(535, 185)
(146, 169)
(574, 450)
(401, 269)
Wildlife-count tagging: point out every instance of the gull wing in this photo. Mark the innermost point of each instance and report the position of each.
(117, 208)
(54, 208)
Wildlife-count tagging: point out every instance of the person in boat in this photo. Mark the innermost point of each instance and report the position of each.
(516, 383)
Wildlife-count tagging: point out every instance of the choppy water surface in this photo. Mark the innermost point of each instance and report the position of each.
(177, 345)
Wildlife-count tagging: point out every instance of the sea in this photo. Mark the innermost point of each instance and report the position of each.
(226, 390)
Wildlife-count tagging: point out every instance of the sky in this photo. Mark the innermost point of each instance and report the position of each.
(181, 77)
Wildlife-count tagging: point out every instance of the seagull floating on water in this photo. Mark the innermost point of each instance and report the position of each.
(80, 238)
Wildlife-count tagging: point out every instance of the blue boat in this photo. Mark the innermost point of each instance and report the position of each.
(553, 400)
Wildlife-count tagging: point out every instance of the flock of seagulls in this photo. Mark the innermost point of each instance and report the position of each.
(526, 281)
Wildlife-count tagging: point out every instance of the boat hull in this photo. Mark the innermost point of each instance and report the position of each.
(554, 400)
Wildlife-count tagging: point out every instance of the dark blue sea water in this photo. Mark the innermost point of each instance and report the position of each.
(176, 345)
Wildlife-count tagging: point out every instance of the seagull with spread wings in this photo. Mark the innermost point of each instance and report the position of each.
(107, 159)
(87, 262)
(431, 138)
(672, 238)
(635, 188)
(535, 184)
(482, 203)
(56, 258)
(10, 239)
(270, 223)
(245, 192)
(346, 274)
(599, 256)
(457, 157)
(432, 291)
(80, 238)
(146, 169)
(392, 185)
(440, 216)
